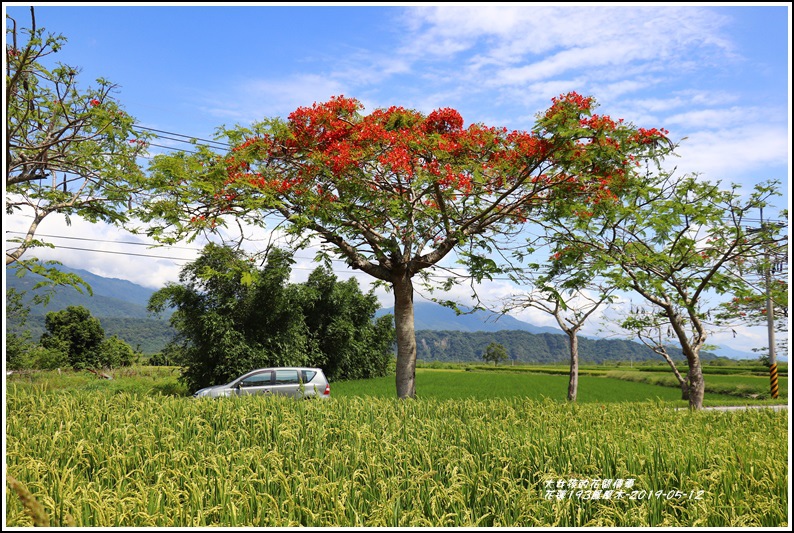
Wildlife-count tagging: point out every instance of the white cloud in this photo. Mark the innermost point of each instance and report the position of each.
(710, 98)
(733, 154)
(656, 105)
(255, 99)
(745, 340)
(572, 59)
(610, 91)
(514, 56)
(723, 117)
(107, 251)
(512, 37)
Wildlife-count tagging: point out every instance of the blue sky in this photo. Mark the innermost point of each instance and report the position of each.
(718, 76)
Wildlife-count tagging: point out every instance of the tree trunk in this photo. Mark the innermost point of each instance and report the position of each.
(685, 388)
(406, 336)
(684, 382)
(573, 380)
(697, 385)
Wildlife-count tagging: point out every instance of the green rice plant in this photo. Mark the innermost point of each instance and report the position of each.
(123, 459)
(454, 384)
(36, 511)
(134, 379)
(538, 369)
(742, 386)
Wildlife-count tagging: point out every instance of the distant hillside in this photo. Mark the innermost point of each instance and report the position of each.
(112, 297)
(441, 335)
(120, 306)
(525, 347)
(432, 316)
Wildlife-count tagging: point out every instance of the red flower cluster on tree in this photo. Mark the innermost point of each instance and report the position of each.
(645, 136)
(446, 120)
(597, 122)
(571, 99)
(399, 157)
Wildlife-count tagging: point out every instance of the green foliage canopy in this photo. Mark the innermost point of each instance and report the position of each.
(395, 191)
(232, 318)
(340, 318)
(680, 243)
(495, 353)
(77, 334)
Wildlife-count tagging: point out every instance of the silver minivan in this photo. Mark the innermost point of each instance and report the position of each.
(299, 382)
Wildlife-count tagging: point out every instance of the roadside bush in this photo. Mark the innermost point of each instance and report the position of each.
(49, 358)
(19, 351)
(114, 352)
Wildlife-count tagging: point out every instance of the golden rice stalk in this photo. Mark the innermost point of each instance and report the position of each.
(36, 509)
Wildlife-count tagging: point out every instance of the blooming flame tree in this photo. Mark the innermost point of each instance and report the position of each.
(395, 191)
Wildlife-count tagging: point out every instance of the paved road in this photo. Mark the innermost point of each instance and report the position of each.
(737, 407)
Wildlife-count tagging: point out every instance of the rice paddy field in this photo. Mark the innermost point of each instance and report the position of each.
(137, 452)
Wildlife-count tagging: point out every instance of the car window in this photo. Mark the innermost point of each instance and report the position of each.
(286, 377)
(308, 375)
(258, 380)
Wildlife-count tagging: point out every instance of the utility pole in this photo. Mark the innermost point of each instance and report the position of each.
(770, 324)
(770, 313)
(770, 319)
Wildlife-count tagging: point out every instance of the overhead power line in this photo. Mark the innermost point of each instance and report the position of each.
(171, 148)
(191, 137)
(153, 256)
(131, 243)
(124, 253)
(114, 242)
(183, 259)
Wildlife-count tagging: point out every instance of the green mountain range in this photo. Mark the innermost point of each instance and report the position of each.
(120, 306)
(441, 335)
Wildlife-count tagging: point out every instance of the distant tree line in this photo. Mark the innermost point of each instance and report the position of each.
(72, 339)
(525, 347)
(146, 335)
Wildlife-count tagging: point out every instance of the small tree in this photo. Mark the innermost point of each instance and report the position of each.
(19, 343)
(569, 287)
(352, 343)
(51, 358)
(571, 314)
(495, 352)
(231, 318)
(77, 334)
(114, 352)
(675, 242)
